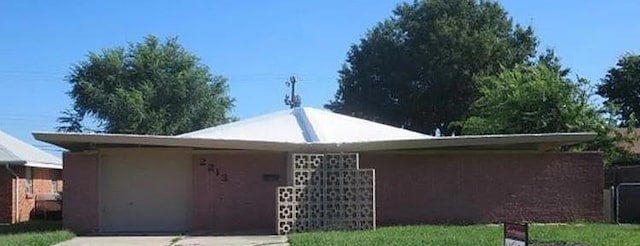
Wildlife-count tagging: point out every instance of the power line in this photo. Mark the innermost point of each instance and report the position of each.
(246, 75)
(23, 120)
(234, 78)
(35, 125)
(26, 72)
(29, 118)
(25, 115)
(49, 147)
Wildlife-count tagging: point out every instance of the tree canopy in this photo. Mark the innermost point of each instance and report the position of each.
(621, 87)
(416, 69)
(531, 99)
(539, 98)
(150, 87)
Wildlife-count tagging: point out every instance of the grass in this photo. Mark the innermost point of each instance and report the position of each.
(36, 233)
(480, 235)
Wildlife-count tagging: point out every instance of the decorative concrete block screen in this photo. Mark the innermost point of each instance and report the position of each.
(329, 192)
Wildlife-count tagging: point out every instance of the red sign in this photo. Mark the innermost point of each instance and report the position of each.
(516, 234)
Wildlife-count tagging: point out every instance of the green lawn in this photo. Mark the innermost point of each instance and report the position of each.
(547, 235)
(39, 233)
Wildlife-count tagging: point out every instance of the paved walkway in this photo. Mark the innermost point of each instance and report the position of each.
(261, 240)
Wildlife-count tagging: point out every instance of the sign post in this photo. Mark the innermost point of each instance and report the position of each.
(516, 234)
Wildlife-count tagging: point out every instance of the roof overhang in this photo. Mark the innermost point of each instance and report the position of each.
(546, 141)
(32, 164)
(43, 165)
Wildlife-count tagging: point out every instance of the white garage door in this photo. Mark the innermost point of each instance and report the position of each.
(143, 190)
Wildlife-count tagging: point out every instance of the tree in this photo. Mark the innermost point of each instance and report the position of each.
(71, 122)
(539, 98)
(621, 87)
(151, 87)
(531, 99)
(416, 69)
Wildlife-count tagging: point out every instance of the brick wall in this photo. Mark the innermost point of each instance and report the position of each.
(456, 188)
(41, 185)
(6, 196)
(80, 199)
(231, 194)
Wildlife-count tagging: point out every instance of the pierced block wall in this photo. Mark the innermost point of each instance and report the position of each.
(329, 191)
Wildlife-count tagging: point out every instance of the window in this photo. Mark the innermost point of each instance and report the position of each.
(28, 186)
(54, 185)
(54, 182)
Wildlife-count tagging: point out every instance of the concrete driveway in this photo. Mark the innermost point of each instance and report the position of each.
(258, 240)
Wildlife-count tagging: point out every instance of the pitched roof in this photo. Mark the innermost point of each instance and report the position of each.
(305, 125)
(16, 152)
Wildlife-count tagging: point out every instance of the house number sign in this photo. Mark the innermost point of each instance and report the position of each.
(214, 170)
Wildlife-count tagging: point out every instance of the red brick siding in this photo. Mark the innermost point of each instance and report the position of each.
(80, 199)
(410, 188)
(41, 185)
(244, 202)
(6, 196)
(26, 201)
(485, 188)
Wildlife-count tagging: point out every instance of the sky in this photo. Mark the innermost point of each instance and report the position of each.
(257, 45)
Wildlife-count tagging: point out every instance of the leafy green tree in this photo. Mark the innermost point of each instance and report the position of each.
(531, 99)
(416, 69)
(621, 87)
(71, 122)
(539, 98)
(151, 87)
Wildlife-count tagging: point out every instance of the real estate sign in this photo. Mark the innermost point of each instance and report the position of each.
(516, 234)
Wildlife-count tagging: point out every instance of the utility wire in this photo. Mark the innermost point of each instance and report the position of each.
(233, 78)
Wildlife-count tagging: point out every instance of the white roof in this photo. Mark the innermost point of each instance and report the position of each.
(540, 142)
(308, 129)
(305, 125)
(16, 152)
